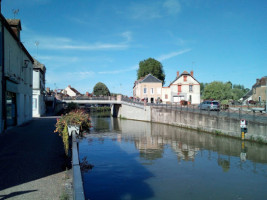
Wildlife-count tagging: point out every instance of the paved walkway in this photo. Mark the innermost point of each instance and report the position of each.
(32, 163)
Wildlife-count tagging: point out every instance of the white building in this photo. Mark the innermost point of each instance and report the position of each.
(184, 87)
(38, 94)
(15, 76)
(72, 92)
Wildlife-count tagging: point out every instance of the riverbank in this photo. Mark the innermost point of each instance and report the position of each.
(211, 122)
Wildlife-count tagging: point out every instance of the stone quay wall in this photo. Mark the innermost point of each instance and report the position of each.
(205, 122)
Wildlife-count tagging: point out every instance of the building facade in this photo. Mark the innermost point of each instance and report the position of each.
(16, 76)
(38, 91)
(148, 88)
(184, 87)
(70, 91)
(259, 90)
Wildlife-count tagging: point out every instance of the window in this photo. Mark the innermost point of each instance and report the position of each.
(144, 90)
(190, 88)
(179, 88)
(159, 90)
(185, 78)
(151, 91)
(166, 96)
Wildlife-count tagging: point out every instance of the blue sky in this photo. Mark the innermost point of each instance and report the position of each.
(86, 41)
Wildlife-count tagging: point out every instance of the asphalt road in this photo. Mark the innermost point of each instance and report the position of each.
(32, 162)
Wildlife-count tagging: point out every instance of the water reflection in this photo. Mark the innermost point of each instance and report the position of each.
(133, 159)
(150, 139)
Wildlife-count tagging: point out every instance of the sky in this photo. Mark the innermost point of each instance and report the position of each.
(84, 42)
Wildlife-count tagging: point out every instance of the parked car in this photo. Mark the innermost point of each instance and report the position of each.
(209, 105)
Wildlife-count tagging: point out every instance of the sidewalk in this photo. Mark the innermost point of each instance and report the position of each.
(32, 163)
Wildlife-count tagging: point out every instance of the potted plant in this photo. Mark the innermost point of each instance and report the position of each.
(77, 120)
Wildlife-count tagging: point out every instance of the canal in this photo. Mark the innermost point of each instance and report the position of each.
(140, 160)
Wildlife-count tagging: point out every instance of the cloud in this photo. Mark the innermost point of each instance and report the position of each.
(160, 58)
(155, 10)
(173, 7)
(63, 43)
(172, 54)
(88, 47)
(120, 71)
(145, 11)
(65, 77)
(127, 35)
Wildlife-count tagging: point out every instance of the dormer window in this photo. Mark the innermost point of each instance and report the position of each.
(185, 78)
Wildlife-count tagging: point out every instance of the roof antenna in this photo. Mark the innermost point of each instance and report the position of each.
(15, 12)
(36, 44)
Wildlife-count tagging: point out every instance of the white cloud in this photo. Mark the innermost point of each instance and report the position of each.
(173, 7)
(63, 43)
(145, 11)
(127, 35)
(172, 54)
(119, 71)
(155, 10)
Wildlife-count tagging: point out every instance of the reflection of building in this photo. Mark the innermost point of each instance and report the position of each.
(15, 76)
(184, 151)
(149, 147)
(38, 94)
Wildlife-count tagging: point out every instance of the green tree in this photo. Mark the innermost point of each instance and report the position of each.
(151, 66)
(202, 87)
(101, 89)
(217, 90)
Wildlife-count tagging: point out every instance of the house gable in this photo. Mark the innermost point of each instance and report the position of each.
(151, 79)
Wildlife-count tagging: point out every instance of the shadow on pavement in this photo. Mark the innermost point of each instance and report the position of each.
(13, 194)
(30, 152)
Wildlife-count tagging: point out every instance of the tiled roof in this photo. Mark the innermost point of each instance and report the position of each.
(184, 73)
(151, 79)
(14, 22)
(260, 82)
(38, 65)
(74, 90)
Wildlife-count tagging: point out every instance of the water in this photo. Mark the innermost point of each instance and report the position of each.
(139, 160)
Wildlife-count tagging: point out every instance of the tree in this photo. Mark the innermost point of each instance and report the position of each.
(151, 66)
(223, 91)
(101, 89)
(202, 87)
(217, 90)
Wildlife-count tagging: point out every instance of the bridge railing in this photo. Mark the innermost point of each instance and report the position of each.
(114, 98)
(237, 113)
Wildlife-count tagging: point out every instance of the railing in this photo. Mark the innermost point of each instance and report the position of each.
(90, 98)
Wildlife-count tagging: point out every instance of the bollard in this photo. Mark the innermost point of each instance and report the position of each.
(243, 126)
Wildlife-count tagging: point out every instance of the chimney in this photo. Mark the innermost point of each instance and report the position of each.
(177, 73)
(69, 86)
(87, 94)
(257, 80)
(192, 73)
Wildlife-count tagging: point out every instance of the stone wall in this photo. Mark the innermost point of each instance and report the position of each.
(209, 123)
(219, 125)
